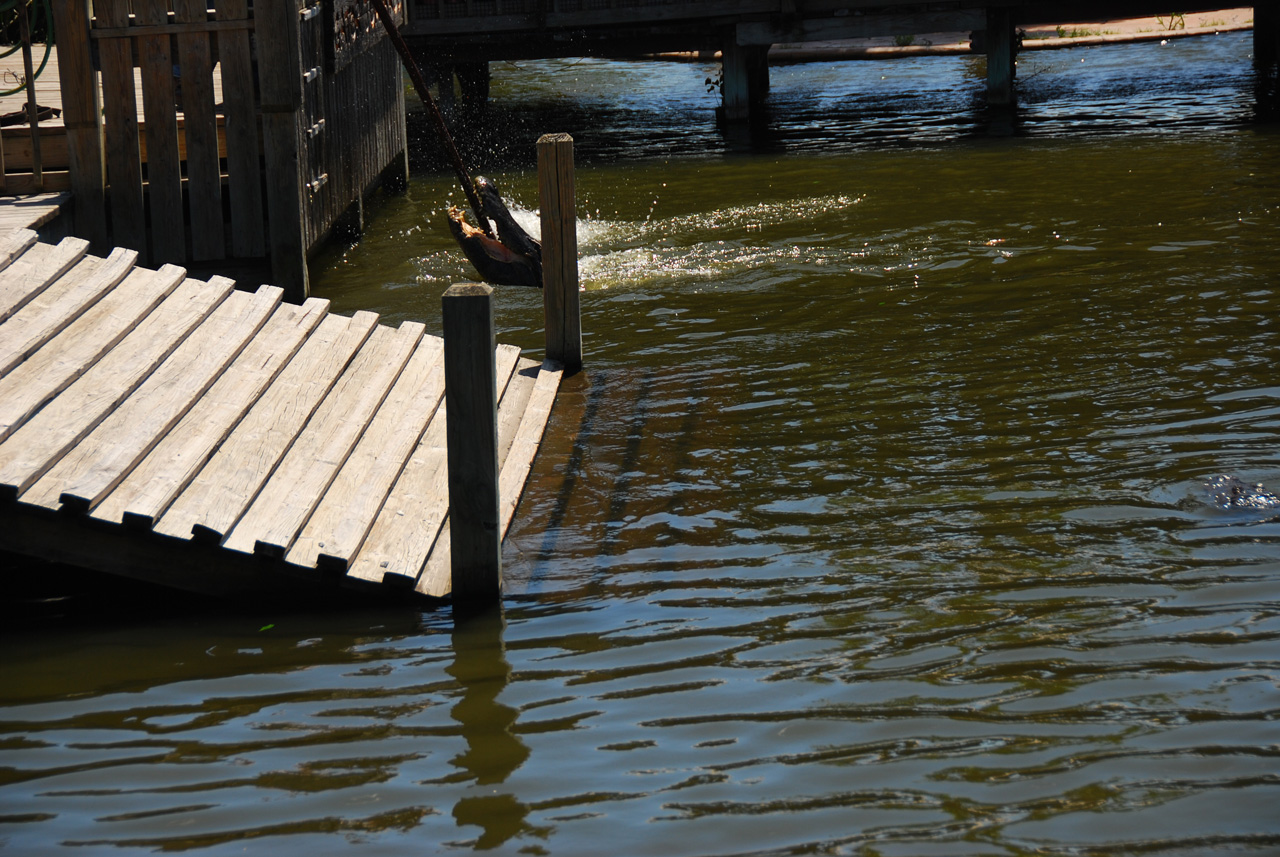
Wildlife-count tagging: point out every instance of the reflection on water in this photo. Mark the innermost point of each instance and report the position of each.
(882, 521)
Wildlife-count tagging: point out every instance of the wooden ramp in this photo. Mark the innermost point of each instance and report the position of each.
(225, 442)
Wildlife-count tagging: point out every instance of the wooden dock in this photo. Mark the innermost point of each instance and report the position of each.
(224, 442)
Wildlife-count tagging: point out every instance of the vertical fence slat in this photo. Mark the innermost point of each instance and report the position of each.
(243, 170)
(164, 169)
(204, 173)
(83, 120)
(120, 107)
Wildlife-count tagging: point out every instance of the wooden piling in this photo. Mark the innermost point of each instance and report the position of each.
(560, 302)
(1000, 56)
(471, 419)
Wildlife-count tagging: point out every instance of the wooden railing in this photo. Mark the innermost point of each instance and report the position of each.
(156, 60)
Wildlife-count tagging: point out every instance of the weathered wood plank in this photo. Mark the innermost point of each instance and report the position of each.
(436, 573)
(72, 352)
(83, 476)
(204, 174)
(13, 245)
(60, 304)
(35, 270)
(337, 528)
(524, 446)
(210, 506)
(120, 110)
(294, 490)
(402, 536)
(148, 490)
(31, 450)
(164, 169)
(244, 171)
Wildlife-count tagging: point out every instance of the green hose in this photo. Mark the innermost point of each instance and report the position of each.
(40, 13)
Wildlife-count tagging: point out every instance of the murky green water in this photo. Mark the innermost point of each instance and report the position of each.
(876, 524)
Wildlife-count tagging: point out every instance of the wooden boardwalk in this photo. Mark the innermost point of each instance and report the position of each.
(224, 442)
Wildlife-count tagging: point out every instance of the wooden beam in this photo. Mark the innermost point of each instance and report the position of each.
(471, 409)
(560, 300)
(82, 115)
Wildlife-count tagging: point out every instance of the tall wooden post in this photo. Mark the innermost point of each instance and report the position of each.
(1000, 56)
(560, 303)
(82, 115)
(280, 86)
(471, 429)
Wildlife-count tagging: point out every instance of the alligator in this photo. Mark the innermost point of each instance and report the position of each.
(513, 258)
(1230, 492)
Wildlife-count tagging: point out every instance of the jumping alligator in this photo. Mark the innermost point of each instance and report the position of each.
(513, 258)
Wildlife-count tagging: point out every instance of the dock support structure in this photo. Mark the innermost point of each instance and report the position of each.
(471, 423)
(746, 78)
(1266, 58)
(561, 312)
(1001, 42)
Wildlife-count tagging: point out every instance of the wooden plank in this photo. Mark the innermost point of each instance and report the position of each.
(31, 450)
(337, 528)
(528, 437)
(18, 152)
(294, 490)
(401, 538)
(435, 578)
(172, 29)
(204, 174)
(120, 109)
(15, 244)
(71, 353)
(60, 304)
(24, 184)
(83, 476)
(210, 506)
(82, 115)
(35, 271)
(164, 169)
(147, 491)
(244, 170)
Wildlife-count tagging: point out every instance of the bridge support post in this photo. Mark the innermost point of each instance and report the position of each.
(1266, 58)
(471, 431)
(1001, 39)
(746, 78)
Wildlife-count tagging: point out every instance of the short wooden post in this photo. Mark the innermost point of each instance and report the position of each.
(1000, 56)
(745, 78)
(560, 303)
(471, 429)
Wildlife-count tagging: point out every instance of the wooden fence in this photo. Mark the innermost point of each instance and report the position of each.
(199, 130)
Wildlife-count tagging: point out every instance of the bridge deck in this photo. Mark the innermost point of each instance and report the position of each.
(225, 442)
